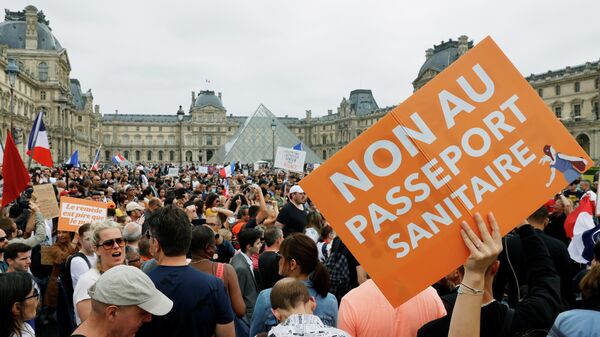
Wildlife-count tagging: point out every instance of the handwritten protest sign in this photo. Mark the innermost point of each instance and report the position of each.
(472, 140)
(203, 169)
(46, 200)
(76, 212)
(173, 172)
(290, 159)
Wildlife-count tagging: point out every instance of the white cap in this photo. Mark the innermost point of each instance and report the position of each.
(296, 189)
(133, 206)
(127, 285)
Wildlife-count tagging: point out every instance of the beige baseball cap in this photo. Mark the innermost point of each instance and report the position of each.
(127, 285)
(133, 206)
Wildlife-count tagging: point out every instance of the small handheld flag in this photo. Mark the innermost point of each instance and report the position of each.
(74, 159)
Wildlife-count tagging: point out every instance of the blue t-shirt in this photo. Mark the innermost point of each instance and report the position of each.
(199, 303)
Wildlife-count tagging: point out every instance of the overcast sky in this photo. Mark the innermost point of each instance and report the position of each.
(148, 56)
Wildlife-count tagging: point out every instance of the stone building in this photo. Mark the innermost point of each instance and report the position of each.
(572, 94)
(181, 137)
(195, 135)
(43, 83)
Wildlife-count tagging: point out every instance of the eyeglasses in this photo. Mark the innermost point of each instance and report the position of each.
(108, 244)
(2, 239)
(35, 295)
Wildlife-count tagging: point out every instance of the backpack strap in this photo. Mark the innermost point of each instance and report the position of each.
(324, 249)
(507, 324)
(220, 270)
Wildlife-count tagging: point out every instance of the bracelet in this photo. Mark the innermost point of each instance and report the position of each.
(465, 289)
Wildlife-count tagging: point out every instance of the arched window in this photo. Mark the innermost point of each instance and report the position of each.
(137, 155)
(43, 71)
(209, 154)
(188, 156)
(149, 156)
(584, 141)
(171, 155)
(324, 154)
(126, 155)
(160, 155)
(106, 155)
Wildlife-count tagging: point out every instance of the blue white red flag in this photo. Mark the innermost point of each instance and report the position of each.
(227, 171)
(74, 159)
(96, 161)
(118, 159)
(581, 227)
(38, 142)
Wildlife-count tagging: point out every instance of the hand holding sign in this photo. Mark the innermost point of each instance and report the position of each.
(464, 143)
(484, 251)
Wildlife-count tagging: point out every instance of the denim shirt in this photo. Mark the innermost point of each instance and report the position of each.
(263, 319)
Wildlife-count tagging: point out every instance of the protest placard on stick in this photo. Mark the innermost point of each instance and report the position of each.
(474, 138)
(290, 159)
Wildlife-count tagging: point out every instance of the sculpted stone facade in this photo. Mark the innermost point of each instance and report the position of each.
(183, 137)
(195, 135)
(43, 84)
(572, 94)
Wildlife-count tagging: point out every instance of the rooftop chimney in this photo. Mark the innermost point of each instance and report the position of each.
(428, 53)
(193, 97)
(463, 44)
(31, 38)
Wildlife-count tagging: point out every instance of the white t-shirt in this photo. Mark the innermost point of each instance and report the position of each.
(313, 234)
(80, 292)
(79, 267)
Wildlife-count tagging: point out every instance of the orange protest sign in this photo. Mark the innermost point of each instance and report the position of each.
(76, 212)
(477, 138)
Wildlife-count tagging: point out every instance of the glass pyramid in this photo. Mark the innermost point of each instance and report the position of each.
(254, 141)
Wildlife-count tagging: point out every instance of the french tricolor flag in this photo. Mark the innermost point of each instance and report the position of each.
(118, 159)
(38, 147)
(580, 227)
(227, 171)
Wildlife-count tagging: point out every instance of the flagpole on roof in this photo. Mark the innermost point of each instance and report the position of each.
(1, 142)
(36, 131)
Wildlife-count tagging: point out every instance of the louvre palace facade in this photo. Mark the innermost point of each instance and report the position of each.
(194, 132)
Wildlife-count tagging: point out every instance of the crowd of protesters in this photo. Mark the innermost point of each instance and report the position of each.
(202, 254)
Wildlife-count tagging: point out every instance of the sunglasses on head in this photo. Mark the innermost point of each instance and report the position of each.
(108, 244)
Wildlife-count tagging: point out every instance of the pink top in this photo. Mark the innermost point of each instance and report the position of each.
(365, 312)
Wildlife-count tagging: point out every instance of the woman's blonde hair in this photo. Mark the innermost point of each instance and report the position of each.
(97, 227)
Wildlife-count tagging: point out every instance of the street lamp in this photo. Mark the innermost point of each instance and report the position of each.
(12, 70)
(180, 115)
(62, 104)
(273, 126)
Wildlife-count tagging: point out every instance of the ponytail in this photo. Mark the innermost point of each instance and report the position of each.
(320, 280)
(304, 250)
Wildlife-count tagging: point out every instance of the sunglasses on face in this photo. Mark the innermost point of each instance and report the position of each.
(108, 244)
(35, 294)
(2, 239)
